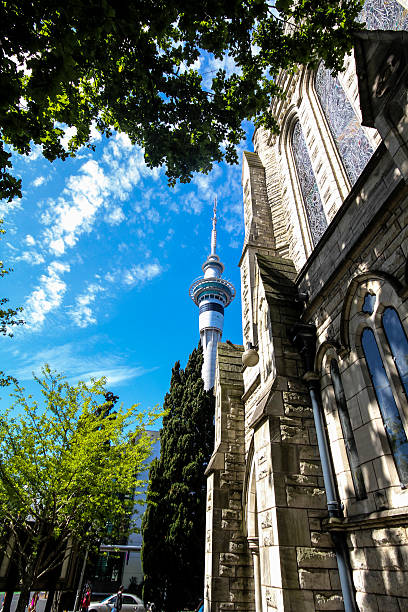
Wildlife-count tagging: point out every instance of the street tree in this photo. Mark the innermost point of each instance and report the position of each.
(174, 523)
(68, 469)
(134, 67)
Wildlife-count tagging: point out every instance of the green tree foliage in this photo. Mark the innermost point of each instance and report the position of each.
(174, 523)
(131, 66)
(67, 469)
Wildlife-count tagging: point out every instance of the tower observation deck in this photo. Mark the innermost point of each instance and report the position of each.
(211, 294)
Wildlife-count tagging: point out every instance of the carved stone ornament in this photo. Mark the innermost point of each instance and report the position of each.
(382, 63)
(387, 75)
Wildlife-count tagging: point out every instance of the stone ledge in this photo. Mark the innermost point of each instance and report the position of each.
(385, 518)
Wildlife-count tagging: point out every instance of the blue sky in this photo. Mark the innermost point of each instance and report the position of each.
(104, 253)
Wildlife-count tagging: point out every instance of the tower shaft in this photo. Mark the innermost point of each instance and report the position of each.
(211, 294)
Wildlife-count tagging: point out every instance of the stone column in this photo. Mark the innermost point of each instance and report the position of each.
(253, 544)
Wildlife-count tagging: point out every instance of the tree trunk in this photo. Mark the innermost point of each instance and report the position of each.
(23, 600)
(50, 599)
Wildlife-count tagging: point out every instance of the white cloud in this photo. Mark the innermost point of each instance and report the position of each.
(115, 216)
(29, 240)
(140, 273)
(153, 215)
(193, 204)
(76, 362)
(31, 257)
(234, 244)
(40, 180)
(95, 135)
(36, 152)
(69, 132)
(75, 211)
(168, 237)
(8, 207)
(93, 189)
(47, 296)
(82, 313)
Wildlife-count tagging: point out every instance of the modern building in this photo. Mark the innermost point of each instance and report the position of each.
(120, 562)
(212, 294)
(307, 494)
(132, 565)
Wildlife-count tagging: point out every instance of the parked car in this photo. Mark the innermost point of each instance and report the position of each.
(130, 603)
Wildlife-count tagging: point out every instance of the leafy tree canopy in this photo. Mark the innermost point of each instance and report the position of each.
(132, 66)
(68, 469)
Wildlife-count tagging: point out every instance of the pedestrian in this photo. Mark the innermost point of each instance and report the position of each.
(86, 600)
(33, 603)
(117, 606)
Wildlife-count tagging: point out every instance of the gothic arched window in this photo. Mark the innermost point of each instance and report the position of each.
(352, 144)
(389, 411)
(348, 434)
(308, 185)
(384, 15)
(398, 342)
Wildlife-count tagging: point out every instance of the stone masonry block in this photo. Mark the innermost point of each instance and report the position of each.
(293, 527)
(298, 600)
(382, 583)
(310, 468)
(392, 535)
(308, 557)
(306, 497)
(226, 570)
(329, 601)
(292, 431)
(229, 558)
(367, 601)
(314, 579)
(320, 539)
(237, 547)
(387, 557)
(390, 604)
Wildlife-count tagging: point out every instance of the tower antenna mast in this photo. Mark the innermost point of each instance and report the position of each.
(212, 294)
(214, 228)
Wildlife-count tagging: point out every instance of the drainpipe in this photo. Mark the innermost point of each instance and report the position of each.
(312, 380)
(304, 338)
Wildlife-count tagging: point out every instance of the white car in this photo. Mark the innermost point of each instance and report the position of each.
(130, 603)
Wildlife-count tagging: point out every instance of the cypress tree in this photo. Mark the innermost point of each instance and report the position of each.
(174, 523)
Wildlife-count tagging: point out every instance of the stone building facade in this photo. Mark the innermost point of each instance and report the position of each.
(307, 505)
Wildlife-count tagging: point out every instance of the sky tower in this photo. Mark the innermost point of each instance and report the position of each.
(211, 294)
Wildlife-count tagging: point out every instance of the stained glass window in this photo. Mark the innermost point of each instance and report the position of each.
(384, 15)
(310, 191)
(369, 303)
(386, 402)
(352, 144)
(398, 343)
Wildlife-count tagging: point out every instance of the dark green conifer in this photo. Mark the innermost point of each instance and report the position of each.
(174, 523)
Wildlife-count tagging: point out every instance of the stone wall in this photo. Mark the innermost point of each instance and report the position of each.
(228, 572)
(269, 538)
(297, 561)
